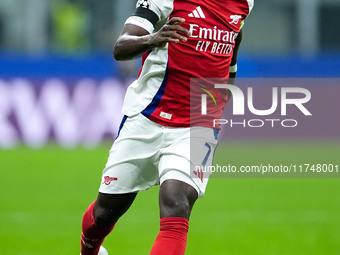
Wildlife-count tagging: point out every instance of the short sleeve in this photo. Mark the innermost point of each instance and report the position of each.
(147, 14)
(250, 5)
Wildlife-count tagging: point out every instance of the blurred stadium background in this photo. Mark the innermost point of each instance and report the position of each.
(60, 99)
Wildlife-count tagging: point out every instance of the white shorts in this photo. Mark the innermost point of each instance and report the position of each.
(146, 154)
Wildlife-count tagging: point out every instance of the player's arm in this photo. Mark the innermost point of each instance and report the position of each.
(134, 40)
(233, 65)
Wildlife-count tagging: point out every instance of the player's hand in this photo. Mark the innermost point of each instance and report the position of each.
(171, 32)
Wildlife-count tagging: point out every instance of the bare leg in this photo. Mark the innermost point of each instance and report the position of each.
(110, 207)
(99, 219)
(176, 200)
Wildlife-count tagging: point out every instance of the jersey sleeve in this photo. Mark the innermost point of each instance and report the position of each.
(251, 5)
(147, 14)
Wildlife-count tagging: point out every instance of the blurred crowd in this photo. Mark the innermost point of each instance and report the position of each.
(74, 26)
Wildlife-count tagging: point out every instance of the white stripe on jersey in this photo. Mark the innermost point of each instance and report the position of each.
(200, 11)
(196, 15)
(251, 4)
(141, 92)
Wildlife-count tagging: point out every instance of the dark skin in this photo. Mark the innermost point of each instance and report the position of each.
(134, 41)
(176, 198)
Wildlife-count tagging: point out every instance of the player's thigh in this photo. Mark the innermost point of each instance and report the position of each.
(176, 199)
(131, 165)
(187, 158)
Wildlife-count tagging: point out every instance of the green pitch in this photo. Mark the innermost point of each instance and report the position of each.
(45, 192)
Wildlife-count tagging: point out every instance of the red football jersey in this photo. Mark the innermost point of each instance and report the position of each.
(167, 90)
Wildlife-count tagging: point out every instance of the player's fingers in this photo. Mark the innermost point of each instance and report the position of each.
(173, 35)
(181, 29)
(174, 20)
(177, 28)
